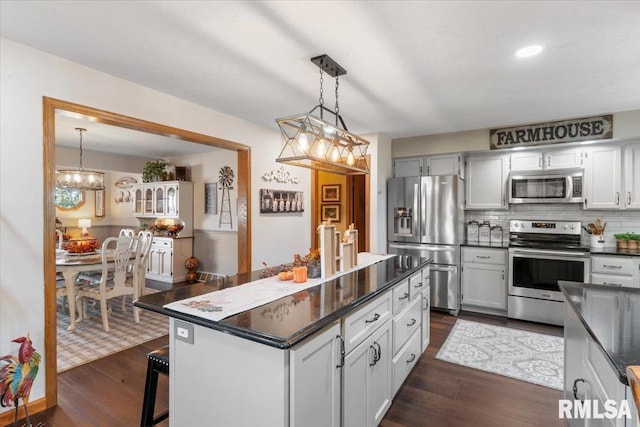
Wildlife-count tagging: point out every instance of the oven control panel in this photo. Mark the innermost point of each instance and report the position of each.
(546, 227)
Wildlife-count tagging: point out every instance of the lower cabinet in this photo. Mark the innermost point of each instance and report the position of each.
(367, 380)
(426, 318)
(484, 279)
(589, 377)
(167, 257)
(315, 377)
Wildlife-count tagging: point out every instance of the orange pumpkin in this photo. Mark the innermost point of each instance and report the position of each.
(283, 276)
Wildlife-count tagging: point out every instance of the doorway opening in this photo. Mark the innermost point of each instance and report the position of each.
(50, 106)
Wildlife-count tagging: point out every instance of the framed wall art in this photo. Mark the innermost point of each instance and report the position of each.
(210, 198)
(330, 212)
(281, 201)
(99, 206)
(331, 193)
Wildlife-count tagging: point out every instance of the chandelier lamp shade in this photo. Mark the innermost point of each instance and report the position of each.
(80, 179)
(312, 142)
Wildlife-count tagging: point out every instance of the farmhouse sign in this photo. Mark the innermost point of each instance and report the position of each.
(585, 129)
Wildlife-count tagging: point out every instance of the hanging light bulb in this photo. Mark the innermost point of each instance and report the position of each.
(303, 142)
(350, 159)
(320, 148)
(335, 155)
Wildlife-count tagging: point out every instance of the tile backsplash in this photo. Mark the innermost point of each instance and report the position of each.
(617, 221)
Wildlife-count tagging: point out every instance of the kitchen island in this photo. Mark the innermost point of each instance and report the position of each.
(602, 338)
(332, 354)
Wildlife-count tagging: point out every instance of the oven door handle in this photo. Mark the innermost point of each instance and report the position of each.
(549, 253)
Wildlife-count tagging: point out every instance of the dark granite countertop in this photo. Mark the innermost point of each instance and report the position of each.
(278, 323)
(615, 251)
(497, 245)
(615, 330)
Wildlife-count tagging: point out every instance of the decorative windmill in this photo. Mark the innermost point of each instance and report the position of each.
(226, 181)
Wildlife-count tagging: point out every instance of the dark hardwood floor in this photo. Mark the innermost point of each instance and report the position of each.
(108, 392)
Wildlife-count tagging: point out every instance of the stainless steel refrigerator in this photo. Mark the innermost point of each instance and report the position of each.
(425, 218)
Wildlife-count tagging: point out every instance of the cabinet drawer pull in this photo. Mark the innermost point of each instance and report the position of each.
(629, 198)
(376, 316)
(412, 358)
(419, 285)
(405, 296)
(575, 388)
(617, 197)
(413, 322)
(483, 256)
(377, 353)
(426, 303)
(611, 266)
(612, 284)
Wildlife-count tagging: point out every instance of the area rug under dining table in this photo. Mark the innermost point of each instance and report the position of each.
(527, 356)
(89, 341)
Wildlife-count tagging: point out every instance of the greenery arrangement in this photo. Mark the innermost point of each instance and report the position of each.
(627, 236)
(154, 171)
(628, 240)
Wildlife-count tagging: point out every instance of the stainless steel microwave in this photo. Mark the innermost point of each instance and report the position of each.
(556, 186)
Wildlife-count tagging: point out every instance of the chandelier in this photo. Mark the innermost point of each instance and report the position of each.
(315, 143)
(79, 178)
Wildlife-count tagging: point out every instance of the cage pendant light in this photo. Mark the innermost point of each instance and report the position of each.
(315, 143)
(80, 179)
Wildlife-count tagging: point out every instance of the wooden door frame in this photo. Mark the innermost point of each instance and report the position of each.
(348, 206)
(50, 105)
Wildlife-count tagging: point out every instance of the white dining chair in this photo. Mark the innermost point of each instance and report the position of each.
(127, 232)
(139, 271)
(113, 282)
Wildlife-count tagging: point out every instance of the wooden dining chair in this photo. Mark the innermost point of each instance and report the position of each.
(113, 281)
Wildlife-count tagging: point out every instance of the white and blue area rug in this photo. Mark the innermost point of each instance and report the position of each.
(527, 356)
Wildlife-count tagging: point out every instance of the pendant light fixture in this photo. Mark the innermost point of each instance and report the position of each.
(315, 143)
(79, 178)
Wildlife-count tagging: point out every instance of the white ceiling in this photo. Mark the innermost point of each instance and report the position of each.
(414, 67)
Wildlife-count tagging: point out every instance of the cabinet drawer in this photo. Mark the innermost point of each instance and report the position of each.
(484, 256)
(163, 242)
(612, 265)
(359, 325)
(406, 324)
(611, 280)
(405, 360)
(416, 283)
(400, 296)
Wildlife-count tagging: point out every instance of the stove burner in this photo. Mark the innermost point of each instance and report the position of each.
(549, 235)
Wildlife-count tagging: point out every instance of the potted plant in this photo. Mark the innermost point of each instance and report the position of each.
(634, 241)
(154, 171)
(622, 239)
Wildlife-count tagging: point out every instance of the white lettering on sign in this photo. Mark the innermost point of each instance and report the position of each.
(593, 409)
(585, 129)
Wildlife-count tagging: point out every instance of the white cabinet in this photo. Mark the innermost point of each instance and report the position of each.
(315, 380)
(486, 181)
(632, 176)
(446, 164)
(615, 270)
(484, 278)
(426, 309)
(603, 178)
(167, 257)
(165, 199)
(546, 160)
(442, 164)
(404, 167)
(589, 377)
(367, 380)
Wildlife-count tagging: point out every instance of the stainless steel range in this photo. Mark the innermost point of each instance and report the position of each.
(540, 254)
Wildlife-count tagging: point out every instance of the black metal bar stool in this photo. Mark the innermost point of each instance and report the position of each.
(158, 362)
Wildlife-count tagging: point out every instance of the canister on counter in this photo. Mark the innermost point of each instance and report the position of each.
(472, 231)
(484, 232)
(496, 234)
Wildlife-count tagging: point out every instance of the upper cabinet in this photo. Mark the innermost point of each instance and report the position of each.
(164, 199)
(632, 176)
(445, 164)
(546, 160)
(486, 183)
(603, 174)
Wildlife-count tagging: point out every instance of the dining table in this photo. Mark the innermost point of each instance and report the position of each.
(70, 266)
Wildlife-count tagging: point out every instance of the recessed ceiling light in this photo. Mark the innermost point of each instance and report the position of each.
(529, 51)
